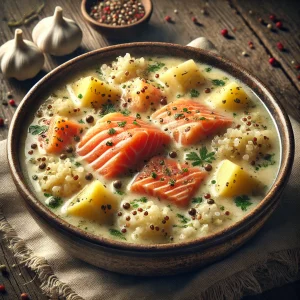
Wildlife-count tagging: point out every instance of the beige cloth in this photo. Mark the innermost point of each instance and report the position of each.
(271, 258)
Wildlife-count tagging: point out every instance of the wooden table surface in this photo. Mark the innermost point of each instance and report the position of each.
(241, 18)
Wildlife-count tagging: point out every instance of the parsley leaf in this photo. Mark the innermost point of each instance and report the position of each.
(155, 67)
(77, 164)
(204, 156)
(111, 131)
(37, 129)
(182, 218)
(53, 201)
(197, 200)
(218, 82)
(81, 121)
(121, 124)
(243, 202)
(116, 233)
(194, 93)
(80, 96)
(135, 202)
(208, 69)
(107, 108)
(125, 112)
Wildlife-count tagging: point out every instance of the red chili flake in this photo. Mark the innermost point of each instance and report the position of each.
(224, 32)
(12, 102)
(280, 46)
(2, 288)
(168, 18)
(279, 25)
(194, 19)
(272, 61)
(272, 18)
(1, 122)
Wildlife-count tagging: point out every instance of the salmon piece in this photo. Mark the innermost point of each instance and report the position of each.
(142, 96)
(189, 122)
(168, 180)
(60, 134)
(117, 143)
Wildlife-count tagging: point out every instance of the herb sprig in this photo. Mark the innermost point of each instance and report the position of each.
(37, 129)
(116, 233)
(155, 67)
(243, 202)
(218, 82)
(203, 157)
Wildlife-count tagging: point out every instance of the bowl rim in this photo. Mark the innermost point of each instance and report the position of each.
(101, 25)
(287, 157)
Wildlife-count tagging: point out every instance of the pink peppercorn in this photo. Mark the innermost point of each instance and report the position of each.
(297, 67)
(279, 25)
(298, 77)
(280, 46)
(224, 32)
(272, 61)
(194, 19)
(12, 102)
(272, 18)
(168, 18)
(2, 288)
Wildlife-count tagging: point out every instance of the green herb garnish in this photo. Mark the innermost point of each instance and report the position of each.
(182, 218)
(208, 69)
(107, 108)
(243, 202)
(53, 201)
(178, 116)
(197, 200)
(37, 129)
(194, 93)
(172, 182)
(81, 121)
(116, 233)
(80, 96)
(155, 67)
(203, 157)
(125, 112)
(121, 124)
(77, 164)
(218, 82)
(111, 131)
(153, 175)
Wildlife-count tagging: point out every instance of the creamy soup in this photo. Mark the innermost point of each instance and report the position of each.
(152, 150)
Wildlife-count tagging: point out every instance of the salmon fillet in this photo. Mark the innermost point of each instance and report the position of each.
(189, 122)
(168, 180)
(117, 143)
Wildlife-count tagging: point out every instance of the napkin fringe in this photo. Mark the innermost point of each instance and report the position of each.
(279, 268)
(50, 285)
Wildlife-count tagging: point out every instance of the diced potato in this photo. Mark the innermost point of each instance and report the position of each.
(232, 180)
(63, 107)
(93, 92)
(94, 202)
(142, 96)
(184, 77)
(231, 97)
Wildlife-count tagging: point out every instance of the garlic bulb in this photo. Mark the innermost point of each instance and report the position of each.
(20, 58)
(203, 43)
(57, 35)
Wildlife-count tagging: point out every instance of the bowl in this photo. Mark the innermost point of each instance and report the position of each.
(156, 259)
(117, 32)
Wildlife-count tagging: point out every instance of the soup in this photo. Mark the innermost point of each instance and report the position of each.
(152, 150)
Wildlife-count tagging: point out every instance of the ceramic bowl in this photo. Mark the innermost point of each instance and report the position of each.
(117, 32)
(157, 259)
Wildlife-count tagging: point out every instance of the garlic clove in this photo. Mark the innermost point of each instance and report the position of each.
(57, 35)
(20, 59)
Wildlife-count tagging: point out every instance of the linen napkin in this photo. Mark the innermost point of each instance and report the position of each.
(270, 259)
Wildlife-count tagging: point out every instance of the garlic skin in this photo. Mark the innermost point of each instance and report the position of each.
(20, 59)
(57, 35)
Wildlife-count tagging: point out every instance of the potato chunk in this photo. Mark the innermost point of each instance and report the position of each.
(94, 202)
(184, 77)
(93, 92)
(231, 97)
(232, 180)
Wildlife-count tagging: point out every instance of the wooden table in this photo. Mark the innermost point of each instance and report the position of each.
(241, 18)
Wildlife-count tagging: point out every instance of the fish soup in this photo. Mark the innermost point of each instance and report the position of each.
(152, 150)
